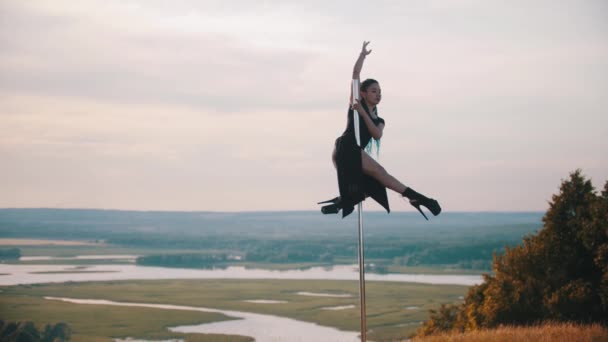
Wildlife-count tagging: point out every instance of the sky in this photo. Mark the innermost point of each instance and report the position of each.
(235, 105)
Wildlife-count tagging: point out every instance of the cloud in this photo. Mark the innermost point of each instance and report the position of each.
(215, 105)
(138, 57)
(282, 55)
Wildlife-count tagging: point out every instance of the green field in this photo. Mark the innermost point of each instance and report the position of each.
(394, 310)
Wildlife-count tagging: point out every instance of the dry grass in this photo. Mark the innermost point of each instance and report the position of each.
(549, 332)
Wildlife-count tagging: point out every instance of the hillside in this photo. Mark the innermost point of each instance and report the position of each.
(551, 332)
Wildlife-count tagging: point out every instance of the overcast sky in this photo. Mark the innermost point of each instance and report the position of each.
(235, 105)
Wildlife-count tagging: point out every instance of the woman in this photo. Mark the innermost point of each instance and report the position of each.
(360, 176)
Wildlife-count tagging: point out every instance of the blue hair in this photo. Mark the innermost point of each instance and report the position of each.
(370, 146)
(373, 141)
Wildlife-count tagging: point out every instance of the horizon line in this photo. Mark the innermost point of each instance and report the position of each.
(257, 211)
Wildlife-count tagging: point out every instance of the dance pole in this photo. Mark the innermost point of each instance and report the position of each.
(360, 210)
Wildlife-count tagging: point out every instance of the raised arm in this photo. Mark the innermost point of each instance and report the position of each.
(358, 66)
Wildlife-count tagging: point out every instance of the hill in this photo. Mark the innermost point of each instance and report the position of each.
(550, 332)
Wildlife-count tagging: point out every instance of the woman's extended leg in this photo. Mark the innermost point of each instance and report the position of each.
(373, 169)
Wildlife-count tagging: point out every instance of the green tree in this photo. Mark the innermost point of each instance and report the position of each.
(559, 274)
(10, 253)
(26, 332)
(441, 320)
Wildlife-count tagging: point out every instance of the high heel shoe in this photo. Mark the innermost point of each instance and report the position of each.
(333, 208)
(333, 200)
(417, 200)
(433, 206)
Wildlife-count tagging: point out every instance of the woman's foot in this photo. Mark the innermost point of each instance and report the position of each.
(417, 200)
(333, 208)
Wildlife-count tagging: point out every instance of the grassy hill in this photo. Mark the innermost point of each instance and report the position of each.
(550, 332)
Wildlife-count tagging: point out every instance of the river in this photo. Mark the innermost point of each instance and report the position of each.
(38, 274)
(261, 327)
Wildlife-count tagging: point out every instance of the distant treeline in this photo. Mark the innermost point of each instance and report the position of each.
(10, 253)
(184, 260)
(465, 240)
(476, 256)
(206, 260)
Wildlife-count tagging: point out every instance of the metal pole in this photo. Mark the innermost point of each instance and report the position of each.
(361, 274)
(360, 210)
(355, 115)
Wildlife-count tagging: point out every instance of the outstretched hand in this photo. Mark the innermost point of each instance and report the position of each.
(364, 50)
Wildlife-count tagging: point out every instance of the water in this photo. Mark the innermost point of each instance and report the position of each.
(263, 328)
(341, 307)
(30, 274)
(317, 294)
(265, 301)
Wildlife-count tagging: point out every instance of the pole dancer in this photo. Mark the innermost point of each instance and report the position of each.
(359, 175)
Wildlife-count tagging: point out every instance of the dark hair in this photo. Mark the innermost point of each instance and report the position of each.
(364, 85)
(367, 83)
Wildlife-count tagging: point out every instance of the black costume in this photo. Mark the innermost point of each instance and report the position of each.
(354, 185)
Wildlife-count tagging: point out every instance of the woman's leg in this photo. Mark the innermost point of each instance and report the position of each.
(373, 169)
(333, 158)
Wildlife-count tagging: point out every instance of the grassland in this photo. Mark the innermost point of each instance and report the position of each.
(550, 332)
(394, 310)
(104, 322)
(397, 243)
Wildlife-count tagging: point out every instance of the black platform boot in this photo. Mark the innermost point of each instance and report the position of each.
(417, 200)
(333, 208)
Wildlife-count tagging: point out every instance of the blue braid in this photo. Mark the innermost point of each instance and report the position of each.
(373, 141)
(370, 146)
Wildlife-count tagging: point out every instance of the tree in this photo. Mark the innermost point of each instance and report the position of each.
(27, 332)
(57, 333)
(10, 253)
(560, 274)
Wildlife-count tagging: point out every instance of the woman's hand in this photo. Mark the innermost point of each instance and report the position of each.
(359, 65)
(364, 51)
(374, 131)
(358, 107)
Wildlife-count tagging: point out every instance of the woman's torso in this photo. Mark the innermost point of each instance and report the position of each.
(364, 133)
